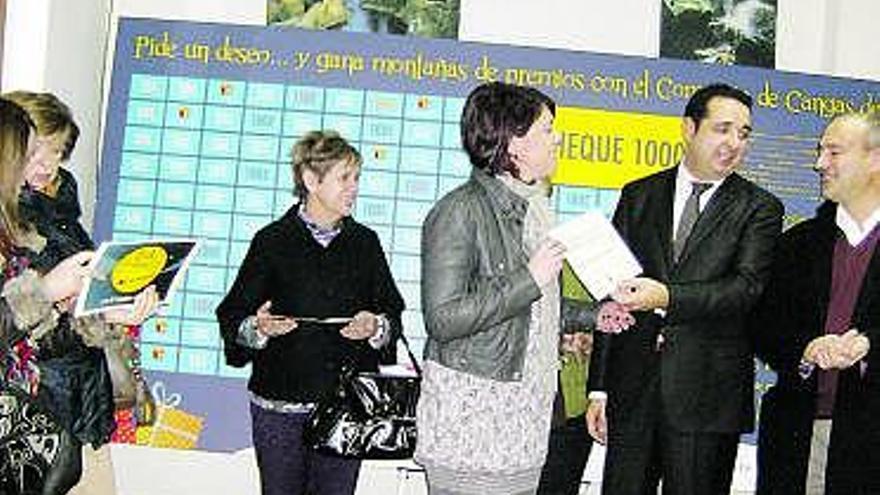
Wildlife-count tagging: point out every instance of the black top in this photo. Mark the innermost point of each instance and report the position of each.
(286, 265)
(56, 219)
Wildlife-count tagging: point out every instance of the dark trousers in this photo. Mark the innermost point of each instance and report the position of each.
(644, 449)
(288, 467)
(567, 454)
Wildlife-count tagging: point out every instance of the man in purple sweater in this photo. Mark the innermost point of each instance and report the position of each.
(818, 327)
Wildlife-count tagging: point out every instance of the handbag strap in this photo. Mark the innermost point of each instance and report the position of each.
(412, 357)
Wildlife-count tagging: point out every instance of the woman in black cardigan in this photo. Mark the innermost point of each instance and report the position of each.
(315, 263)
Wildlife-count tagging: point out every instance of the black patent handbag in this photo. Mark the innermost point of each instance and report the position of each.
(369, 415)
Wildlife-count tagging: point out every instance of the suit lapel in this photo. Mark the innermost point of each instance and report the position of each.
(823, 269)
(716, 210)
(865, 304)
(662, 218)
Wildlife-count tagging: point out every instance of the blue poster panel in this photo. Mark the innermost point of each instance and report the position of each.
(202, 117)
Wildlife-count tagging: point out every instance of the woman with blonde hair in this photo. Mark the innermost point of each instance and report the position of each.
(303, 274)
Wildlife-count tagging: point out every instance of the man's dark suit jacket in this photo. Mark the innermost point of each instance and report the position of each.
(705, 370)
(791, 313)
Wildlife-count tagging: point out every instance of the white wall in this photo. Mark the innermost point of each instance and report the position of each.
(853, 39)
(628, 27)
(25, 40)
(802, 24)
(78, 32)
(230, 11)
(58, 46)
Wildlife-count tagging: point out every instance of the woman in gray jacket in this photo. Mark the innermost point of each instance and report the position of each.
(491, 303)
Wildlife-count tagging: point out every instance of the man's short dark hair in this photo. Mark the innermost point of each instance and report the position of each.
(493, 114)
(697, 106)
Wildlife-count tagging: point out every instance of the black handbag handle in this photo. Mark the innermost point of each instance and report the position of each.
(412, 357)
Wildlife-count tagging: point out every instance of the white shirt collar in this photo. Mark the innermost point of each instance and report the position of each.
(684, 177)
(851, 229)
(683, 180)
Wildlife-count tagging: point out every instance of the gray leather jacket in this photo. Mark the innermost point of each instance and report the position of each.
(476, 287)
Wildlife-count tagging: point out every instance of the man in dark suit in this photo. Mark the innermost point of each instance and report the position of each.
(818, 325)
(677, 389)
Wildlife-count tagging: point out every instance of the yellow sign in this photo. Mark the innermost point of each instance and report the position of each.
(137, 269)
(608, 149)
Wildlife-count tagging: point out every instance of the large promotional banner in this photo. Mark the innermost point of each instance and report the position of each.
(201, 119)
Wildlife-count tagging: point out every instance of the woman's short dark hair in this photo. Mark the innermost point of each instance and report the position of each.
(493, 114)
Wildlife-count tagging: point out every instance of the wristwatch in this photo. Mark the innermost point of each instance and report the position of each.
(805, 369)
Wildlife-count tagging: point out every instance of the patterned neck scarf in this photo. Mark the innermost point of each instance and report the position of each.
(322, 235)
(542, 349)
(539, 217)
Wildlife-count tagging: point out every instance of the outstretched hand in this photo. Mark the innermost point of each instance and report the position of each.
(613, 317)
(642, 294)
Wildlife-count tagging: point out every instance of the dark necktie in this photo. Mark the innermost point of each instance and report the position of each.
(688, 218)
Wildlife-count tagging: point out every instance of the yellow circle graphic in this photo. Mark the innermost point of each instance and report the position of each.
(137, 269)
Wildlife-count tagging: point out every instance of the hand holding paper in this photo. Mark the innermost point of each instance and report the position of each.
(596, 253)
(363, 326)
(145, 303)
(121, 271)
(546, 261)
(272, 325)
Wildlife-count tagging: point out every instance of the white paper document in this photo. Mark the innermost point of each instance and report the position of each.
(596, 252)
